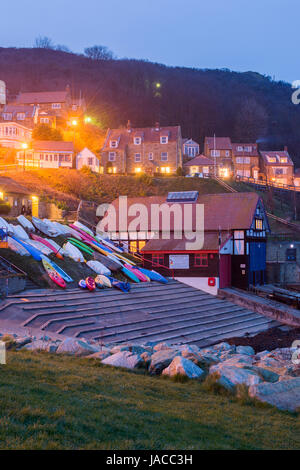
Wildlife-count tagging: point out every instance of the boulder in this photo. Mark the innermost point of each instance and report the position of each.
(187, 348)
(182, 366)
(237, 360)
(20, 342)
(161, 359)
(99, 355)
(161, 347)
(285, 394)
(39, 345)
(76, 347)
(146, 358)
(124, 359)
(248, 350)
(224, 347)
(230, 376)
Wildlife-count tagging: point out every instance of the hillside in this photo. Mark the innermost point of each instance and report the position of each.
(60, 402)
(245, 106)
(90, 186)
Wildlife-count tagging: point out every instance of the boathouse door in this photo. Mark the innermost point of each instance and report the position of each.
(225, 271)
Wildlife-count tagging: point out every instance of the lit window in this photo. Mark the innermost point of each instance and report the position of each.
(165, 169)
(163, 139)
(45, 120)
(271, 159)
(137, 170)
(112, 156)
(164, 156)
(283, 160)
(258, 224)
(201, 259)
(137, 157)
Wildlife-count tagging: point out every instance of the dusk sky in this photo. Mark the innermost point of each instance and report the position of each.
(258, 35)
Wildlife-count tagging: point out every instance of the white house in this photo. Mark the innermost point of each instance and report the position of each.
(13, 134)
(190, 148)
(88, 158)
(47, 154)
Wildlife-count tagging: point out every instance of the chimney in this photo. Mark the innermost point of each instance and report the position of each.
(157, 128)
(285, 148)
(128, 126)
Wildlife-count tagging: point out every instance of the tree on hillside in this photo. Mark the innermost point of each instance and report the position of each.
(251, 121)
(43, 42)
(44, 132)
(99, 53)
(63, 48)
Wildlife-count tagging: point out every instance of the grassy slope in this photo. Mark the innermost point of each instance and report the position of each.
(105, 188)
(52, 402)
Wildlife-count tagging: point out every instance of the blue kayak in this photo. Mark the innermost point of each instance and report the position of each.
(154, 276)
(60, 271)
(36, 254)
(130, 274)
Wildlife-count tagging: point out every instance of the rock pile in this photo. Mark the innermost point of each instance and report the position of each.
(271, 376)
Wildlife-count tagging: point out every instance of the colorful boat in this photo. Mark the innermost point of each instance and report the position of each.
(153, 275)
(58, 269)
(82, 284)
(102, 280)
(128, 273)
(46, 243)
(90, 283)
(54, 276)
(142, 277)
(82, 246)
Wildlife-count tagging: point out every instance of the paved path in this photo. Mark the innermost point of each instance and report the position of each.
(173, 312)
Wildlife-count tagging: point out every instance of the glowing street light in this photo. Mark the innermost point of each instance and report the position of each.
(74, 122)
(24, 146)
(87, 119)
(157, 85)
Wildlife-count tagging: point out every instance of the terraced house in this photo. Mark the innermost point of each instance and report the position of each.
(151, 150)
(219, 149)
(245, 160)
(278, 167)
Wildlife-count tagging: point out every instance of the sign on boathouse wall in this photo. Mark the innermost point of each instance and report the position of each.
(179, 262)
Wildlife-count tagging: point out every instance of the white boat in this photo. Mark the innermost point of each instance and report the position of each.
(83, 227)
(19, 232)
(16, 247)
(25, 223)
(40, 246)
(43, 227)
(4, 224)
(98, 267)
(73, 252)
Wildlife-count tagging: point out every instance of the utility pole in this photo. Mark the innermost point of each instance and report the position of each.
(215, 168)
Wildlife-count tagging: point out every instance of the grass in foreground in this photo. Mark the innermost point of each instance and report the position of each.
(59, 402)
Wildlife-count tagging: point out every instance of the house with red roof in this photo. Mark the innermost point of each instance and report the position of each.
(47, 154)
(208, 241)
(199, 165)
(245, 158)
(278, 167)
(219, 149)
(58, 102)
(151, 150)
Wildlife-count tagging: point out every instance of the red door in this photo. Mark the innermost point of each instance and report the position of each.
(225, 271)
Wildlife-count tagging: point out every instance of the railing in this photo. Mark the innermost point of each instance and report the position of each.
(12, 266)
(153, 265)
(264, 183)
(8, 168)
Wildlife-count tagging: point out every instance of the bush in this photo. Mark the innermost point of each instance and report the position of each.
(5, 208)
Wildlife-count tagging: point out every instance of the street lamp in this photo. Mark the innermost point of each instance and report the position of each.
(74, 123)
(87, 119)
(24, 147)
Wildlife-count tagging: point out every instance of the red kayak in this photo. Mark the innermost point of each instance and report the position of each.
(55, 277)
(47, 244)
(90, 283)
